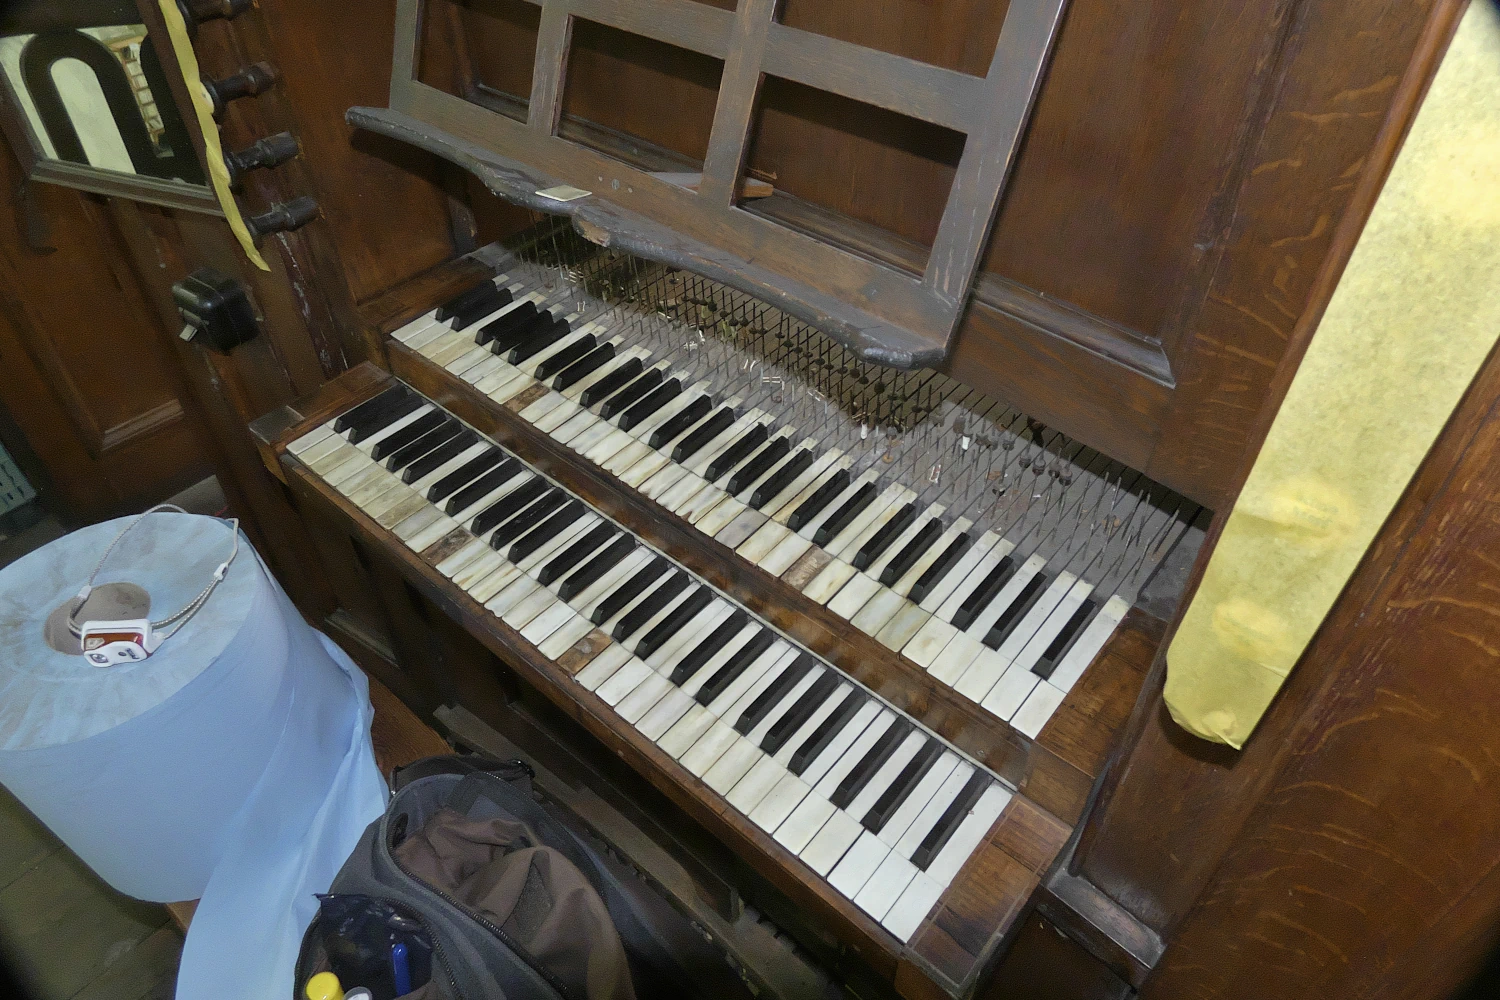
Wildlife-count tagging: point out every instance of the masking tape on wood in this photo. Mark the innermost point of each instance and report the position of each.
(218, 173)
(1412, 320)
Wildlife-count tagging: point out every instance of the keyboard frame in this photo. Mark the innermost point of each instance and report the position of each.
(996, 886)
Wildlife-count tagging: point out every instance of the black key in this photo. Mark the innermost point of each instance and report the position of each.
(942, 831)
(674, 622)
(546, 531)
(705, 650)
(694, 442)
(773, 485)
(907, 557)
(583, 367)
(396, 440)
(628, 396)
(373, 424)
(824, 734)
(885, 536)
(871, 762)
(1012, 615)
(571, 556)
(758, 466)
(813, 505)
(539, 342)
(438, 436)
(1059, 646)
(362, 412)
(611, 383)
(734, 666)
(841, 518)
(655, 400)
(480, 308)
(464, 298)
(980, 597)
(465, 474)
(768, 699)
(896, 792)
(737, 452)
(793, 718)
(522, 316)
(437, 456)
(629, 591)
(565, 357)
(475, 491)
(508, 505)
(939, 569)
(529, 518)
(589, 573)
(685, 418)
(652, 605)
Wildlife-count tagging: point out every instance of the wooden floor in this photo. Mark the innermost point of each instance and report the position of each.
(70, 934)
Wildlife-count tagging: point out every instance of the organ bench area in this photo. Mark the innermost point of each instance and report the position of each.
(874, 635)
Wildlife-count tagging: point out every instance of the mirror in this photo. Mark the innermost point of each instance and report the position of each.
(89, 106)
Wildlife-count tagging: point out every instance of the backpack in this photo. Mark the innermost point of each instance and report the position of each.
(498, 898)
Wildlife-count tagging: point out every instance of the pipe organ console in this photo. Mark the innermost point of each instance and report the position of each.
(828, 527)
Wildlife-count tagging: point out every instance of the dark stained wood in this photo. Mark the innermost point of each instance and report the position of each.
(1175, 804)
(737, 94)
(1044, 964)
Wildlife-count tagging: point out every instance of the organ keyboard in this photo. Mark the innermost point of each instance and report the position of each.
(856, 632)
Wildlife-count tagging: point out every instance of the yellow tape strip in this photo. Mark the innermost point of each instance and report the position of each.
(218, 173)
(1412, 320)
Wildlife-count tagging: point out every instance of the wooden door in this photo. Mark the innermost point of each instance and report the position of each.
(87, 377)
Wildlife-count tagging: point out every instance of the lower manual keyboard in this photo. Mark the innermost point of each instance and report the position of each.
(883, 811)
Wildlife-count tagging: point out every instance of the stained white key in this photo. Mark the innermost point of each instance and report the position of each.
(686, 731)
(540, 628)
(559, 642)
(588, 599)
(486, 589)
(830, 581)
(478, 569)
(756, 784)
(623, 681)
(519, 615)
(664, 714)
(455, 463)
(312, 437)
(671, 652)
(602, 667)
(471, 550)
(878, 611)
(522, 588)
(709, 748)
(567, 536)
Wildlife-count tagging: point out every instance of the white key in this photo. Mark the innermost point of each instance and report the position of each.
(732, 700)
(640, 701)
(559, 642)
(969, 835)
(758, 733)
(847, 543)
(903, 625)
(854, 595)
(891, 551)
(924, 647)
(756, 784)
(786, 552)
(980, 569)
(522, 588)
(1055, 622)
(784, 504)
(416, 522)
(906, 813)
(432, 533)
(471, 551)
(732, 765)
(590, 597)
(806, 819)
(813, 721)
(699, 463)
(541, 628)
(885, 886)
(369, 443)
(878, 611)
(951, 664)
(829, 581)
(710, 747)
(1010, 690)
(593, 432)
(664, 714)
(363, 478)
(684, 490)
(908, 912)
(484, 369)
(634, 640)
(659, 483)
(608, 625)
(842, 741)
(575, 426)
(1003, 600)
(686, 732)
(810, 529)
(522, 612)
(549, 412)
(557, 543)
(478, 569)
(312, 437)
(667, 656)
(886, 774)
(933, 811)
(858, 864)
(1031, 623)
(834, 776)
(773, 808)
(577, 389)
(1088, 644)
(453, 464)
(602, 667)
(466, 515)
(828, 845)
(623, 681)
(486, 589)
(934, 551)
(1039, 706)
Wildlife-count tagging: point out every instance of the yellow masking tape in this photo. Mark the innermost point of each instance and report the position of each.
(1412, 320)
(218, 173)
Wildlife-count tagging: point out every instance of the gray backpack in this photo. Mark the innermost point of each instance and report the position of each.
(512, 902)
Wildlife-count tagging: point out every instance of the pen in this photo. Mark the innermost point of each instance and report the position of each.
(400, 969)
